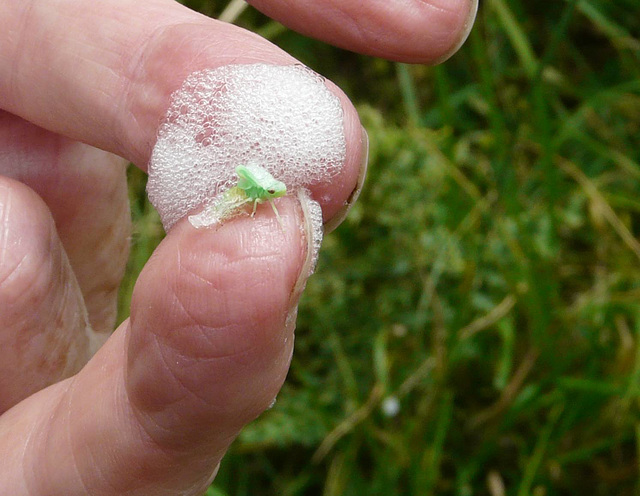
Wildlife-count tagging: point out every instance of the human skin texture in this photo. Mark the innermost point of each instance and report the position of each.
(208, 344)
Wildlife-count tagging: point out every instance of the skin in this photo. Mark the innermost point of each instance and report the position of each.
(210, 336)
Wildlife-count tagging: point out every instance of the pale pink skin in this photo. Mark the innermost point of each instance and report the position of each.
(210, 336)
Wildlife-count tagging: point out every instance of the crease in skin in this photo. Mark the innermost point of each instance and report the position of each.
(78, 350)
(217, 295)
(6, 278)
(148, 428)
(177, 301)
(146, 422)
(5, 210)
(195, 275)
(36, 465)
(353, 21)
(69, 428)
(18, 56)
(134, 74)
(150, 431)
(193, 359)
(28, 475)
(444, 7)
(201, 329)
(70, 308)
(170, 367)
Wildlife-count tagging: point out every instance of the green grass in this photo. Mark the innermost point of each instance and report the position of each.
(488, 279)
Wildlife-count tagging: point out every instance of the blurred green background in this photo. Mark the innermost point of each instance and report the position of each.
(473, 327)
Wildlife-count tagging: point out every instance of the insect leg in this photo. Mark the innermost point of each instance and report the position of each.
(275, 211)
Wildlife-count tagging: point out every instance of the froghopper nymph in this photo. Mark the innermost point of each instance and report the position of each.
(255, 185)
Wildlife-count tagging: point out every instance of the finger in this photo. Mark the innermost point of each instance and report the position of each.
(205, 351)
(85, 190)
(104, 75)
(232, 305)
(43, 323)
(419, 31)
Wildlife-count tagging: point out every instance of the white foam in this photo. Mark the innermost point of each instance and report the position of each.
(283, 118)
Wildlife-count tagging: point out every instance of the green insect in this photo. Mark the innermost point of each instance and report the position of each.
(255, 185)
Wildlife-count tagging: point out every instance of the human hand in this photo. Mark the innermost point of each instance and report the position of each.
(210, 336)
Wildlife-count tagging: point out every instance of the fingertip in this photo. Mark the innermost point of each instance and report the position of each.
(437, 30)
(462, 33)
(363, 163)
(414, 31)
(335, 196)
(211, 338)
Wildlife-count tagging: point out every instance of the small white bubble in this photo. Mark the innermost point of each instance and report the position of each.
(390, 406)
(399, 330)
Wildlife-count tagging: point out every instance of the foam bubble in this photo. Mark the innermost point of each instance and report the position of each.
(282, 118)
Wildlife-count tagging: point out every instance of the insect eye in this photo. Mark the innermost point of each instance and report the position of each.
(271, 191)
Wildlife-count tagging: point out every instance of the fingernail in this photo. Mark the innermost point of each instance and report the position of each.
(464, 32)
(210, 480)
(313, 234)
(337, 219)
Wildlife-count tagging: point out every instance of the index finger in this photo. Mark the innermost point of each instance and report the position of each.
(105, 75)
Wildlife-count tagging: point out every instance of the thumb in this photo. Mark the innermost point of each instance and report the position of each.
(205, 351)
(211, 340)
